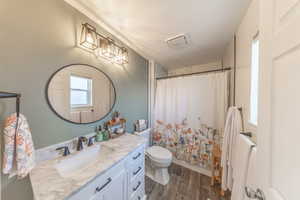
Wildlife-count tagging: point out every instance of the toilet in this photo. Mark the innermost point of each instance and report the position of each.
(158, 159)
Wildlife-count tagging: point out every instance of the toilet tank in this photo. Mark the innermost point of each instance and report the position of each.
(146, 134)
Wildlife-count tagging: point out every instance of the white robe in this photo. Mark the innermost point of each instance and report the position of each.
(233, 127)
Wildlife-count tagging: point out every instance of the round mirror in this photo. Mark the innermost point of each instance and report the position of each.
(80, 93)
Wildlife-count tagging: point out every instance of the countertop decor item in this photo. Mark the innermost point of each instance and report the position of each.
(116, 117)
(116, 125)
(122, 121)
(140, 125)
(116, 120)
(99, 135)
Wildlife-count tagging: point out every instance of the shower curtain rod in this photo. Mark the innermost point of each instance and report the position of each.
(195, 73)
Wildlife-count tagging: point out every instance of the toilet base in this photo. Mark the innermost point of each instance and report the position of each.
(159, 175)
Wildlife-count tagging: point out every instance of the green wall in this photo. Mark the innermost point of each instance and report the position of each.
(37, 38)
(160, 71)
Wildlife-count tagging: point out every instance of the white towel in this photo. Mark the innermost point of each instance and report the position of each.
(251, 172)
(240, 166)
(232, 129)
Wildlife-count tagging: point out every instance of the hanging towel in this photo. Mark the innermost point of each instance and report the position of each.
(233, 127)
(251, 173)
(240, 166)
(18, 156)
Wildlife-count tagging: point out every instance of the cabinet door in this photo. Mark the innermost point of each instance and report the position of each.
(98, 197)
(117, 189)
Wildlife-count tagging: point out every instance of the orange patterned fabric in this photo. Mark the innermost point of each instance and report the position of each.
(18, 155)
(193, 146)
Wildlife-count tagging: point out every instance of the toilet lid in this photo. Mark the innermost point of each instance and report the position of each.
(159, 153)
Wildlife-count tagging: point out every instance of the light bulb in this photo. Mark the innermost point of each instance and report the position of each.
(89, 38)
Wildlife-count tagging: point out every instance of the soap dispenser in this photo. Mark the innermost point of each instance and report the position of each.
(106, 133)
(99, 135)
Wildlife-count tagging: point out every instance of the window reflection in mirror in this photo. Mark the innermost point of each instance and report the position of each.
(80, 93)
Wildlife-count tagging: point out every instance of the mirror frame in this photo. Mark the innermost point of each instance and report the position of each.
(61, 117)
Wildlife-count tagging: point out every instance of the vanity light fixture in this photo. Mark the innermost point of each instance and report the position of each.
(125, 56)
(118, 57)
(121, 56)
(88, 36)
(103, 46)
(108, 48)
(98, 51)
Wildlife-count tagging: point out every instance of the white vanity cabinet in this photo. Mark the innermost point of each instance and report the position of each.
(115, 190)
(136, 174)
(123, 181)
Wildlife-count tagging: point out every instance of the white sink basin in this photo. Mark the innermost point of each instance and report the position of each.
(78, 161)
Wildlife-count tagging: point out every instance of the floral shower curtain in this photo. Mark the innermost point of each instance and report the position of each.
(190, 116)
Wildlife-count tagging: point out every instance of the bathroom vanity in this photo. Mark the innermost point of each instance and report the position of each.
(112, 170)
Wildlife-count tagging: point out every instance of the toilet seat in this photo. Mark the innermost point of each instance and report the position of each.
(159, 154)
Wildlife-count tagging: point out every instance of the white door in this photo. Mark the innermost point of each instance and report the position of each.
(117, 189)
(279, 100)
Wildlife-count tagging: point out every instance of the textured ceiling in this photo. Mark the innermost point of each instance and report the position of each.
(209, 26)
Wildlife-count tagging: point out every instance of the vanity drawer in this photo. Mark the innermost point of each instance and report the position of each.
(99, 184)
(138, 195)
(104, 180)
(137, 155)
(136, 169)
(137, 186)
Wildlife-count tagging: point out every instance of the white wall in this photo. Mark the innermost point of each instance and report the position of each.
(195, 68)
(244, 35)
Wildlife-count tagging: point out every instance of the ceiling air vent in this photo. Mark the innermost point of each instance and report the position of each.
(178, 41)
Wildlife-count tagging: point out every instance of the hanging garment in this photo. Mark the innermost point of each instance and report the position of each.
(18, 156)
(251, 172)
(233, 127)
(240, 166)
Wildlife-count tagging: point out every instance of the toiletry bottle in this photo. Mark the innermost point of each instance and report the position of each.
(99, 136)
(96, 130)
(106, 134)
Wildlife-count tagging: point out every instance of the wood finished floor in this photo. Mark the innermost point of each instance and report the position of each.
(184, 184)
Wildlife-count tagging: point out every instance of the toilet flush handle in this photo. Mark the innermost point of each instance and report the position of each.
(252, 194)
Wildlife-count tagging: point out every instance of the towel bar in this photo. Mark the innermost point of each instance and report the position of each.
(12, 95)
(248, 134)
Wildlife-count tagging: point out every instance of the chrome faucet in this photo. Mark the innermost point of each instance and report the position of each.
(66, 150)
(91, 141)
(80, 143)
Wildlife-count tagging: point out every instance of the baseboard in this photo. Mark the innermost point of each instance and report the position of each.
(192, 167)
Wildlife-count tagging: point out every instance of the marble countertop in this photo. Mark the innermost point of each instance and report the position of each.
(47, 183)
